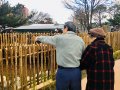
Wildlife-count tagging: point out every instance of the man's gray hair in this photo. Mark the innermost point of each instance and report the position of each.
(70, 25)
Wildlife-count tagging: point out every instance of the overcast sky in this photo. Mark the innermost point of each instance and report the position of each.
(55, 8)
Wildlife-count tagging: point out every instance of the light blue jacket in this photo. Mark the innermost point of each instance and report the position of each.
(69, 48)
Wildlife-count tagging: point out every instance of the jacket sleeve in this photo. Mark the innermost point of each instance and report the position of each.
(85, 60)
(47, 39)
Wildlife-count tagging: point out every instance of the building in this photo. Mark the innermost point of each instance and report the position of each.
(41, 28)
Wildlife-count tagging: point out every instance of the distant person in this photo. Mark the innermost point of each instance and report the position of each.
(69, 49)
(98, 60)
(59, 31)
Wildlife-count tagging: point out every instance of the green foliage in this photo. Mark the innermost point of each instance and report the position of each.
(116, 20)
(116, 54)
(5, 9)
(12, 16)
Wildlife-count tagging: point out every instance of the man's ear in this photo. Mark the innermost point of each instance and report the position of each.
(67, 28)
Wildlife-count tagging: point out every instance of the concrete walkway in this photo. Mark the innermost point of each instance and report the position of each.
(117, 77)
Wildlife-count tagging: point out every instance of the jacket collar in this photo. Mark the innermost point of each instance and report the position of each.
(70, 32)
(99, 40)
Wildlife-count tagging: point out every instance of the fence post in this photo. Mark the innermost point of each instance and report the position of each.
(16, 70)
(44, 63)
(12, 69)
(33, 52)
(30, 65)
(41, 62)
(7, 69)
(1, 71)
(38, 70)
(21, 66)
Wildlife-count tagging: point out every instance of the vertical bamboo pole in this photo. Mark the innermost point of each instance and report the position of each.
(16, 38)
(38, 64)
(1, 70)
(25, 66)
(16, 67)
(11, 40)
(48, 67)
(111, 39)
(1, 40)
(21, 66)
(30, 65)
(114, 41)
(33, 46)
(24, 77)
(26, 38)
(18, 35)
(41, 62)
(44, 62)
(52, 71)
(6, 40)
(117, 45)
(21, 39)
(12, 70)
(7, 69)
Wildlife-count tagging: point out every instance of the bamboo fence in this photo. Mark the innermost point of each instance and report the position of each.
(112, 38)
(9, 39)
(25, 64)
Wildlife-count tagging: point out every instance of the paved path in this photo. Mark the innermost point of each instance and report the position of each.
(117, 77)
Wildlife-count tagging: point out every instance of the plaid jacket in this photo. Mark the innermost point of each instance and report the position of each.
(98, 60)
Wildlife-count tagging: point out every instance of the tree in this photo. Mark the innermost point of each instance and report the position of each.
(114, 9)
(16, 10)
(40, 18)
(99, 13)
(86, 7)
(115, 21)
(12, 16)
(80, 20)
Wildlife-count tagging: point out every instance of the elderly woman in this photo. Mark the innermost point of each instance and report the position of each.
(98, 60)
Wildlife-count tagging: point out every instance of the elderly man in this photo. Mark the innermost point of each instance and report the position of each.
(98, 60)
(69, 49)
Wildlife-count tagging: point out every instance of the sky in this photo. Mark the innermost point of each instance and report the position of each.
(55, 8)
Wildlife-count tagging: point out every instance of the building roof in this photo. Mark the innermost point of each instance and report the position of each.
(41, 26)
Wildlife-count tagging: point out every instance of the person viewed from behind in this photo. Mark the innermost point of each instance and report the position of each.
(98, 60)
(69, 49)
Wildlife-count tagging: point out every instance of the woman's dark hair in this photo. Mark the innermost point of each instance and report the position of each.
(70, 26)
